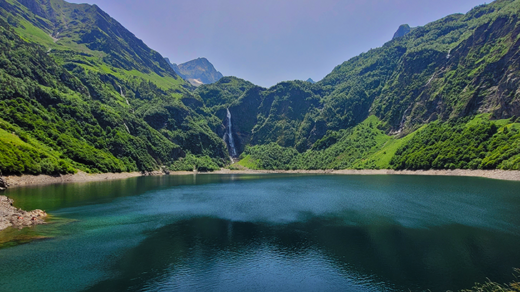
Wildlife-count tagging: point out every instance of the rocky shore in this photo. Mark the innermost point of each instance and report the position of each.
(42, 179)
(3, 184)
(31, 180)
(511, 175)
(18, 218)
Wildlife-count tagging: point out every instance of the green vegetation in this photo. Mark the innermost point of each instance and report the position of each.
(248, 162)
(478, 144)
(224, 92)
(19, 153)
(466, 144)
(271, 156)
(440, 73)
(81, 92)
(83, 101)
(490, 286)
(196, 162)
(364, 146)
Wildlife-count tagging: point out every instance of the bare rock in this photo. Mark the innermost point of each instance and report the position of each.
(18, 218)
(402, 31)
(3, 184)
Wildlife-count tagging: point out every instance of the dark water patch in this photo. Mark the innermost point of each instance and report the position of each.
(196, 254)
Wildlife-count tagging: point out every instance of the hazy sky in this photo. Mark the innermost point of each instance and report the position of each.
(269, 41)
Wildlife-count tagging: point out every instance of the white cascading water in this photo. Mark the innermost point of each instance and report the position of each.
(231, 142)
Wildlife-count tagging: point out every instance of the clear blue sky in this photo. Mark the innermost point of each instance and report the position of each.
(269, 41)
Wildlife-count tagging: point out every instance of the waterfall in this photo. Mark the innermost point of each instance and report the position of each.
(231, 142)
(122, 95)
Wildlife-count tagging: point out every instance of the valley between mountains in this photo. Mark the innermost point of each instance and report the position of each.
(79, 92)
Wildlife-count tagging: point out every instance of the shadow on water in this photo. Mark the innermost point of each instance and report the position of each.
(215, 254)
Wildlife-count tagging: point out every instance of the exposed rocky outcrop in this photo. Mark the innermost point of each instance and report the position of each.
(402, 31)
(3, 184)
(18, 218)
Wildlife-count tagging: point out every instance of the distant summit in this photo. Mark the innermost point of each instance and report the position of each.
(197, 72)
(310, 80)
(402, 31)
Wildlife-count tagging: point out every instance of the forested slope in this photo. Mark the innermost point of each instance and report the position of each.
(82, 92)
(79, 91)
(444, 73)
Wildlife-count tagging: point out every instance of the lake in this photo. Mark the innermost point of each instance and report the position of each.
(266, 233)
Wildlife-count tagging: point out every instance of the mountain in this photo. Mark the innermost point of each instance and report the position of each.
(402, 31)
(79, 91)
(459, 72)
(310, 80)
(197, 72)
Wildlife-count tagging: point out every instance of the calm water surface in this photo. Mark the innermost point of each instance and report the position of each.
(267, 233)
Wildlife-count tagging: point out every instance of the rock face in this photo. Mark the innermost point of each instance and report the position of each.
(402, 31)
(3, 184)
(197, 72)
(12, 216)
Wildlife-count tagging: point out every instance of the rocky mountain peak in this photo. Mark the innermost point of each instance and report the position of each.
(197, 72)
(403, 30)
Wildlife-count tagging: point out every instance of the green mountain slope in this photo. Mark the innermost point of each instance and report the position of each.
(457, 67)
(79, 91)
(465, 144)
(75, 81)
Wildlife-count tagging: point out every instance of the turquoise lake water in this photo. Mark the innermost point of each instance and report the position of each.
(267, 233)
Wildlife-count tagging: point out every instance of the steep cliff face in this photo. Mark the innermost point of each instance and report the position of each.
(474, 75)
(402, 31)
(245, 116)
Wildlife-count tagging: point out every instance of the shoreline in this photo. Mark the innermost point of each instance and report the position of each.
(15, 181)
(25, 180)
(35, 180)
(507, 175)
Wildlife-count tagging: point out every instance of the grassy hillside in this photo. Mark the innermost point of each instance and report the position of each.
(449, 70)
(87, 94)
(477, 143)
(76, 81)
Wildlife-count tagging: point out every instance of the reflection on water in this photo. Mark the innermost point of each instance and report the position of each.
(269, 233)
